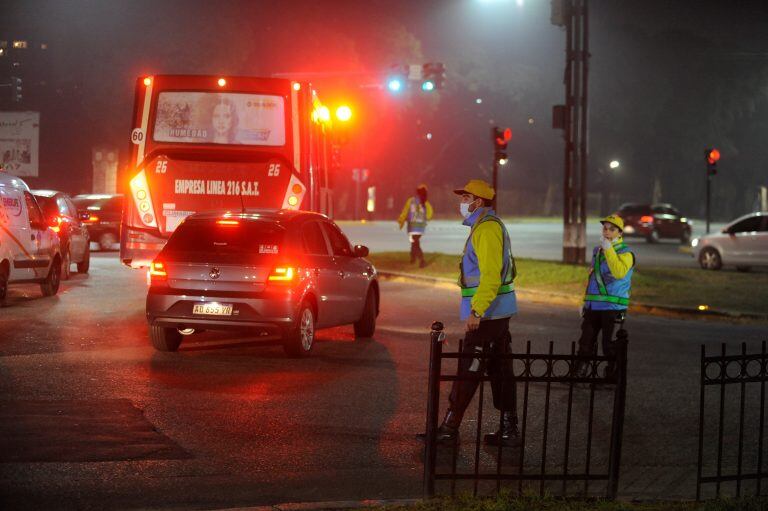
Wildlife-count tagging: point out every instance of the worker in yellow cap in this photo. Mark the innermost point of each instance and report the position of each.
(416, 212)
(607, 296)
(487, 303)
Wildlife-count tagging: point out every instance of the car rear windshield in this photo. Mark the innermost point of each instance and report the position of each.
(48, 205)
(225, 240)
(635, 209)
(104, 204)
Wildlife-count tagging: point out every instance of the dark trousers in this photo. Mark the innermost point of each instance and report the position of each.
(416, 252)
(491, 337)
(595, 322)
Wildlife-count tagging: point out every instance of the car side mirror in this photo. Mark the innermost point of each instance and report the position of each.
(360, 251)
(84, 215)
(726, 231)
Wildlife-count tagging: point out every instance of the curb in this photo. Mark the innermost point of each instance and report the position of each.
(568, 299)
(327, 506)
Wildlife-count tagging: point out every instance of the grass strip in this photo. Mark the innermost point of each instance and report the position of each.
(672, 287)
(509, 502)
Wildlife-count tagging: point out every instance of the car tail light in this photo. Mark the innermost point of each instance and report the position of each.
(92, 218)
(142, 199)
(157, 272)
(646, 219)
(227, 222)
(282, 274)
(56, 223)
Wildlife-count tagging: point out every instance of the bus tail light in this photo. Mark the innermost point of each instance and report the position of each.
(294, 194)
(282, 274)
(142, 199)
(227, 222)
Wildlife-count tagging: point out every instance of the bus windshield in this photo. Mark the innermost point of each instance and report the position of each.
(220, 118)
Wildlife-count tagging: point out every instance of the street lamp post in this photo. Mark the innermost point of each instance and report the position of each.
(606, 182)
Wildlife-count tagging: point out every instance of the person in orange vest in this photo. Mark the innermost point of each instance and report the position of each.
(416, 213)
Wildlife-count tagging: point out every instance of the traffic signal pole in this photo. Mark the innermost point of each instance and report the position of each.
(709, 193)
(495, 182)
(573, 15)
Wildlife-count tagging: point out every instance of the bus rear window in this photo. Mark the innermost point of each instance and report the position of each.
(227, 238)
(220, 118)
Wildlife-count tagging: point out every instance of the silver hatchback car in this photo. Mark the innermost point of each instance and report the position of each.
(742, 243)
(275, 273)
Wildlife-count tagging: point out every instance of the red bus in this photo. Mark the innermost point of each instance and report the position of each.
(207, 142)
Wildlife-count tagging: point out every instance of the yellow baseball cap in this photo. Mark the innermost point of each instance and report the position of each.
(615, 220)
(478, 188)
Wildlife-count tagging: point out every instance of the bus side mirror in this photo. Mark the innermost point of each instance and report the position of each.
(360, 251)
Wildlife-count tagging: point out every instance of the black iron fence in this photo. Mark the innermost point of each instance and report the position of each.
(571, 424)
(731, 449)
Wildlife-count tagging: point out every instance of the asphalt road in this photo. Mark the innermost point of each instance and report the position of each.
(91, 417)
(538, 240)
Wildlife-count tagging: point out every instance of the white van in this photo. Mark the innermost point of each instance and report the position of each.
(29, 248)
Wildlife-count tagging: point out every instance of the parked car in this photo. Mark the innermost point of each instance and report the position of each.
(742, 243)
(275, 273)
(104, 217)
(29, 248)
(74, 240)
(655, 222)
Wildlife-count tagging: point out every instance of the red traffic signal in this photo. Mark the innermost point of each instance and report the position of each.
(502, 137)
(712, 156)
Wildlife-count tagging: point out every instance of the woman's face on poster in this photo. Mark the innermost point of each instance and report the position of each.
(222, 119)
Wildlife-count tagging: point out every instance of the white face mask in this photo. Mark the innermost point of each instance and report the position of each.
(464, 209)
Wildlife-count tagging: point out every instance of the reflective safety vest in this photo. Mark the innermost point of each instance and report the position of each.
(604, 291)
(417, 217)
(505, 303)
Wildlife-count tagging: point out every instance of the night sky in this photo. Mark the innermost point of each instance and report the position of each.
(668, 79)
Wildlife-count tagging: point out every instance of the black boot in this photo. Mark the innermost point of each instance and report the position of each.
(448, 432)
(508, 434)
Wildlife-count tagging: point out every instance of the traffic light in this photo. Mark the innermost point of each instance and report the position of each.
(397, 80)
(432, 76)
(500, 138)
(712, 155)
(16, 92)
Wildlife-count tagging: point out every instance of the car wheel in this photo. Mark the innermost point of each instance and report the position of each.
(66, 264)
(653, 236)
(709, 259)
(366, 326)
(85, 265)
(3, 283)
(743, 268)
(107, 240)
(299, 342)
(685, 237)
(50, 286)
(164, 339)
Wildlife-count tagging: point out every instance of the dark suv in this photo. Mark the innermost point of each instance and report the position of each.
(65, 219)
(275, 273)
(654, 222)
(105, 213)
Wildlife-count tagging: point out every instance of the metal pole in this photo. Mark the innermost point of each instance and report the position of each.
(617, 429)
(495, 182)
(433, 405)
(709, 186)
(357, 196)
(584, 130)
(568, 133)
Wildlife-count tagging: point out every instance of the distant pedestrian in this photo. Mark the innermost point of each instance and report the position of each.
(416, 213)
(487, 303)
(607, 296)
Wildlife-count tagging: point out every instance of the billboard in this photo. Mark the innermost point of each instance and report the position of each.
(19, 141)
(220, 118)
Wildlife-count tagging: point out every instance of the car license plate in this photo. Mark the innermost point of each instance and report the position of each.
(212, 309)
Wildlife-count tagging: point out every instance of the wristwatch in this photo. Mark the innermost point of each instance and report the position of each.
(475, 314)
